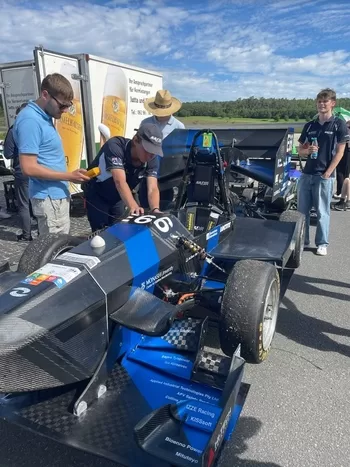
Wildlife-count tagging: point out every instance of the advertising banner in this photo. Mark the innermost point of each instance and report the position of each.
(118, 93)
(18, 86)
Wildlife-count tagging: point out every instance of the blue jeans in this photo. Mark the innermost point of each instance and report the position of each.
(315, 191)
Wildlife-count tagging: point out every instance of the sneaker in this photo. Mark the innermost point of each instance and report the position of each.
(22, 238)
(4, 215)
(340, 205)
(321, 250)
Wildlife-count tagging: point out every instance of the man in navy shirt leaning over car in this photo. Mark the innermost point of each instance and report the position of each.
(123, 163)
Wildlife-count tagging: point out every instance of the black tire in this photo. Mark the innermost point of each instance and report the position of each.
(299, 218)
(250, 287)
(45, 248)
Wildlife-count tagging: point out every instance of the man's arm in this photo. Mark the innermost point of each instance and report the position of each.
(152, 184)
(305, 148)
(343, 137)
(153, 193)
(31, 168)
(335, 161)
(123, 188)
(9, 145)
(114, 154)
(28, 139)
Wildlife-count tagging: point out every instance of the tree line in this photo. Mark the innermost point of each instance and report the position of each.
(252, 107)
(260, 108)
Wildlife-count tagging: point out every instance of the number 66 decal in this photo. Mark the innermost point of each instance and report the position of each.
(163, 224)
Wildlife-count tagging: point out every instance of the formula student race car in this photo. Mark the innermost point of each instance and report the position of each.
(131, 345)
(259, 166)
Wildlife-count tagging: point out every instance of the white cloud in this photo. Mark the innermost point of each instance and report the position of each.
(243, 59)
(220, 50)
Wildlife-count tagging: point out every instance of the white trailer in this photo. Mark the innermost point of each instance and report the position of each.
(105, 92)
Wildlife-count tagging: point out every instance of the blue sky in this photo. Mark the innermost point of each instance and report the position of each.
(206, 50)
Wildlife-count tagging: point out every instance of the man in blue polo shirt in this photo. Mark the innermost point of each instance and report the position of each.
(322, 141)
(42, 157)
(123, 163)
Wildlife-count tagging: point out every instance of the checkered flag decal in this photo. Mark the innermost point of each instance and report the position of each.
(217, 364)
(184, 334)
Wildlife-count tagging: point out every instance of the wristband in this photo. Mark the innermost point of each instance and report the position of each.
(154, 209)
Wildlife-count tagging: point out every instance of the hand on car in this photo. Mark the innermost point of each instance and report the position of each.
(137, 210)
(78, 176)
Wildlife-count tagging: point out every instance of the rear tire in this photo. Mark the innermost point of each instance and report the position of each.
(44, 249)
(299, 218)
(249, 309)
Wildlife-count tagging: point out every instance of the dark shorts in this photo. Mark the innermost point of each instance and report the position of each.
(100, 212)
(344, 165)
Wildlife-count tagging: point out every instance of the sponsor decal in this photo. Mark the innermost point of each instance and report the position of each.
(157, 140)
(212, 234)
(225, 227)
(222, 431)
(155, 279)
(19, 292)
(58, 274)
(190, 221)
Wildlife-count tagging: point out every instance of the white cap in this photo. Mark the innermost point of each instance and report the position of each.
(104, 130)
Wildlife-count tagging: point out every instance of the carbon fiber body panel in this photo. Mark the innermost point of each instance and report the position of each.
(54, 330)
(105, 435)
(106, 430)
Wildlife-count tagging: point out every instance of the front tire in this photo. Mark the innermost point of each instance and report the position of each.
(44, 249)
(249, 309)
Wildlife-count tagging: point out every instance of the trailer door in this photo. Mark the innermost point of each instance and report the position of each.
(18, 84)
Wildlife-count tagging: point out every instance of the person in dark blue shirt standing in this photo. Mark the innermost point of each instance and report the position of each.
(123, 163)
(322, 141)
(21, 183)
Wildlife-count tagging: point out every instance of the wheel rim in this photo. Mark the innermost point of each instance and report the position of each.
(270, 314)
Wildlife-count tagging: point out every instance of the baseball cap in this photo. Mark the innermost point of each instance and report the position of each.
(151, 137)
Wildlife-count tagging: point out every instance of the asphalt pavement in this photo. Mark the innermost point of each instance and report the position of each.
(297, 411)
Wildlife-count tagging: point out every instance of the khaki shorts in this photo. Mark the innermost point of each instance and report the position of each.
(52, 215)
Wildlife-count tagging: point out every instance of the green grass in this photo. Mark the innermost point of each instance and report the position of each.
(218, 120)
(2, 126)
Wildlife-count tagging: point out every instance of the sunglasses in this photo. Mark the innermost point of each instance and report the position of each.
(60, 105)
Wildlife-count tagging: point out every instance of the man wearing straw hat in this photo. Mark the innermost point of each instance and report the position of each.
(162, 107)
